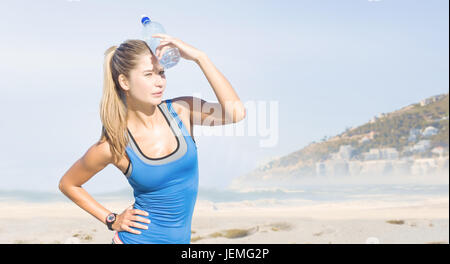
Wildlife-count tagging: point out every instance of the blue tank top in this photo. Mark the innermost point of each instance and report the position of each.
(164, 187)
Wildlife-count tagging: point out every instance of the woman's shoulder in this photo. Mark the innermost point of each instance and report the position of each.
(97, 156)
(180, 104)
(101, 150)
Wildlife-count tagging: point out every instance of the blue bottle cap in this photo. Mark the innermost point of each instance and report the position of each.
(145, 20)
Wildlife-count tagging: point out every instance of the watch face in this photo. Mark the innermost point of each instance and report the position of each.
(110, 218)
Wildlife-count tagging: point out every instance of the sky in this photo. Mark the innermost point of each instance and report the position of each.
(318, 67)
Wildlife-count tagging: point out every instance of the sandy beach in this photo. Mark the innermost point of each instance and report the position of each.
(260, 222)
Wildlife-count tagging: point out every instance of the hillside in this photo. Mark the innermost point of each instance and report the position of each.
(417, 131)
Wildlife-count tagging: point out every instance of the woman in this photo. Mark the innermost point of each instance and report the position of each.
(151, 142)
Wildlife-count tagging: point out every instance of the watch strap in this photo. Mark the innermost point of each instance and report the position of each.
(110, 223)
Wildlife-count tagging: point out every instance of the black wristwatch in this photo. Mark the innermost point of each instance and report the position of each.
(110, 219)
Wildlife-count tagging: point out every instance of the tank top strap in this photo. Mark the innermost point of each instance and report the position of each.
(176, 117)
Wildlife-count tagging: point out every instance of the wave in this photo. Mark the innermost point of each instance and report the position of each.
(306, 193)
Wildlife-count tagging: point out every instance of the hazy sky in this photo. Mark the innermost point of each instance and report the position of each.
(329, 64)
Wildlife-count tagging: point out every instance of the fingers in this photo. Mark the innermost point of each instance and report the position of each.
(141, 219)
(131, 219)
(139, 212)
(129, 223)
(137, 225)
(160, 35)
(131, 230)
(164, 43)
(162, 47)
(129, 216)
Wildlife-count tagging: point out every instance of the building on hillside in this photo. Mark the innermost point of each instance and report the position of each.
(364, 140)
(333, 167)
(390, 154)
(376, 168)
(432, 99)
(321, 169)
(421, 146)
(346, 152)
(381, 154)
(439, 151)
(413, 133)
(430, 131)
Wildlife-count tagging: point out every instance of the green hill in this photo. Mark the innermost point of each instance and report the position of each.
(391, 130)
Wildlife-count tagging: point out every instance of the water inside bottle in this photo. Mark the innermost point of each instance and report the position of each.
(170, 58)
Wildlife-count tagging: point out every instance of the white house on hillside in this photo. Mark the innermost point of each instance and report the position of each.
(421, 146)
(379, 154)
(430, 131)
(413, 133)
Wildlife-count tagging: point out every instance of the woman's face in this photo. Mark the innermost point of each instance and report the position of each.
(147, 79)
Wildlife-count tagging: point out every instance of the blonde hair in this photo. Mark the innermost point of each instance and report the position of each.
(113, 108)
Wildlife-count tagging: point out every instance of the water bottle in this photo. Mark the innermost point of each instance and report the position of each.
(171, 56)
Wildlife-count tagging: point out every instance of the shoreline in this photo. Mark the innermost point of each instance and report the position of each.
(262, 221)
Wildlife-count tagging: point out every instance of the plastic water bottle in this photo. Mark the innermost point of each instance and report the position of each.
(171, 56)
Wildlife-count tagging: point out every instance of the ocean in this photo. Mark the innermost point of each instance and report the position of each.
(314, 193)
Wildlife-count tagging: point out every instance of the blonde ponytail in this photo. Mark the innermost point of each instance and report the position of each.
(113, 112)
(113, 108)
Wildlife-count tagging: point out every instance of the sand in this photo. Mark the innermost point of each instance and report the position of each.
(260, 222)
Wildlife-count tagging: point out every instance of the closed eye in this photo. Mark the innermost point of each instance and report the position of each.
(161, 72)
